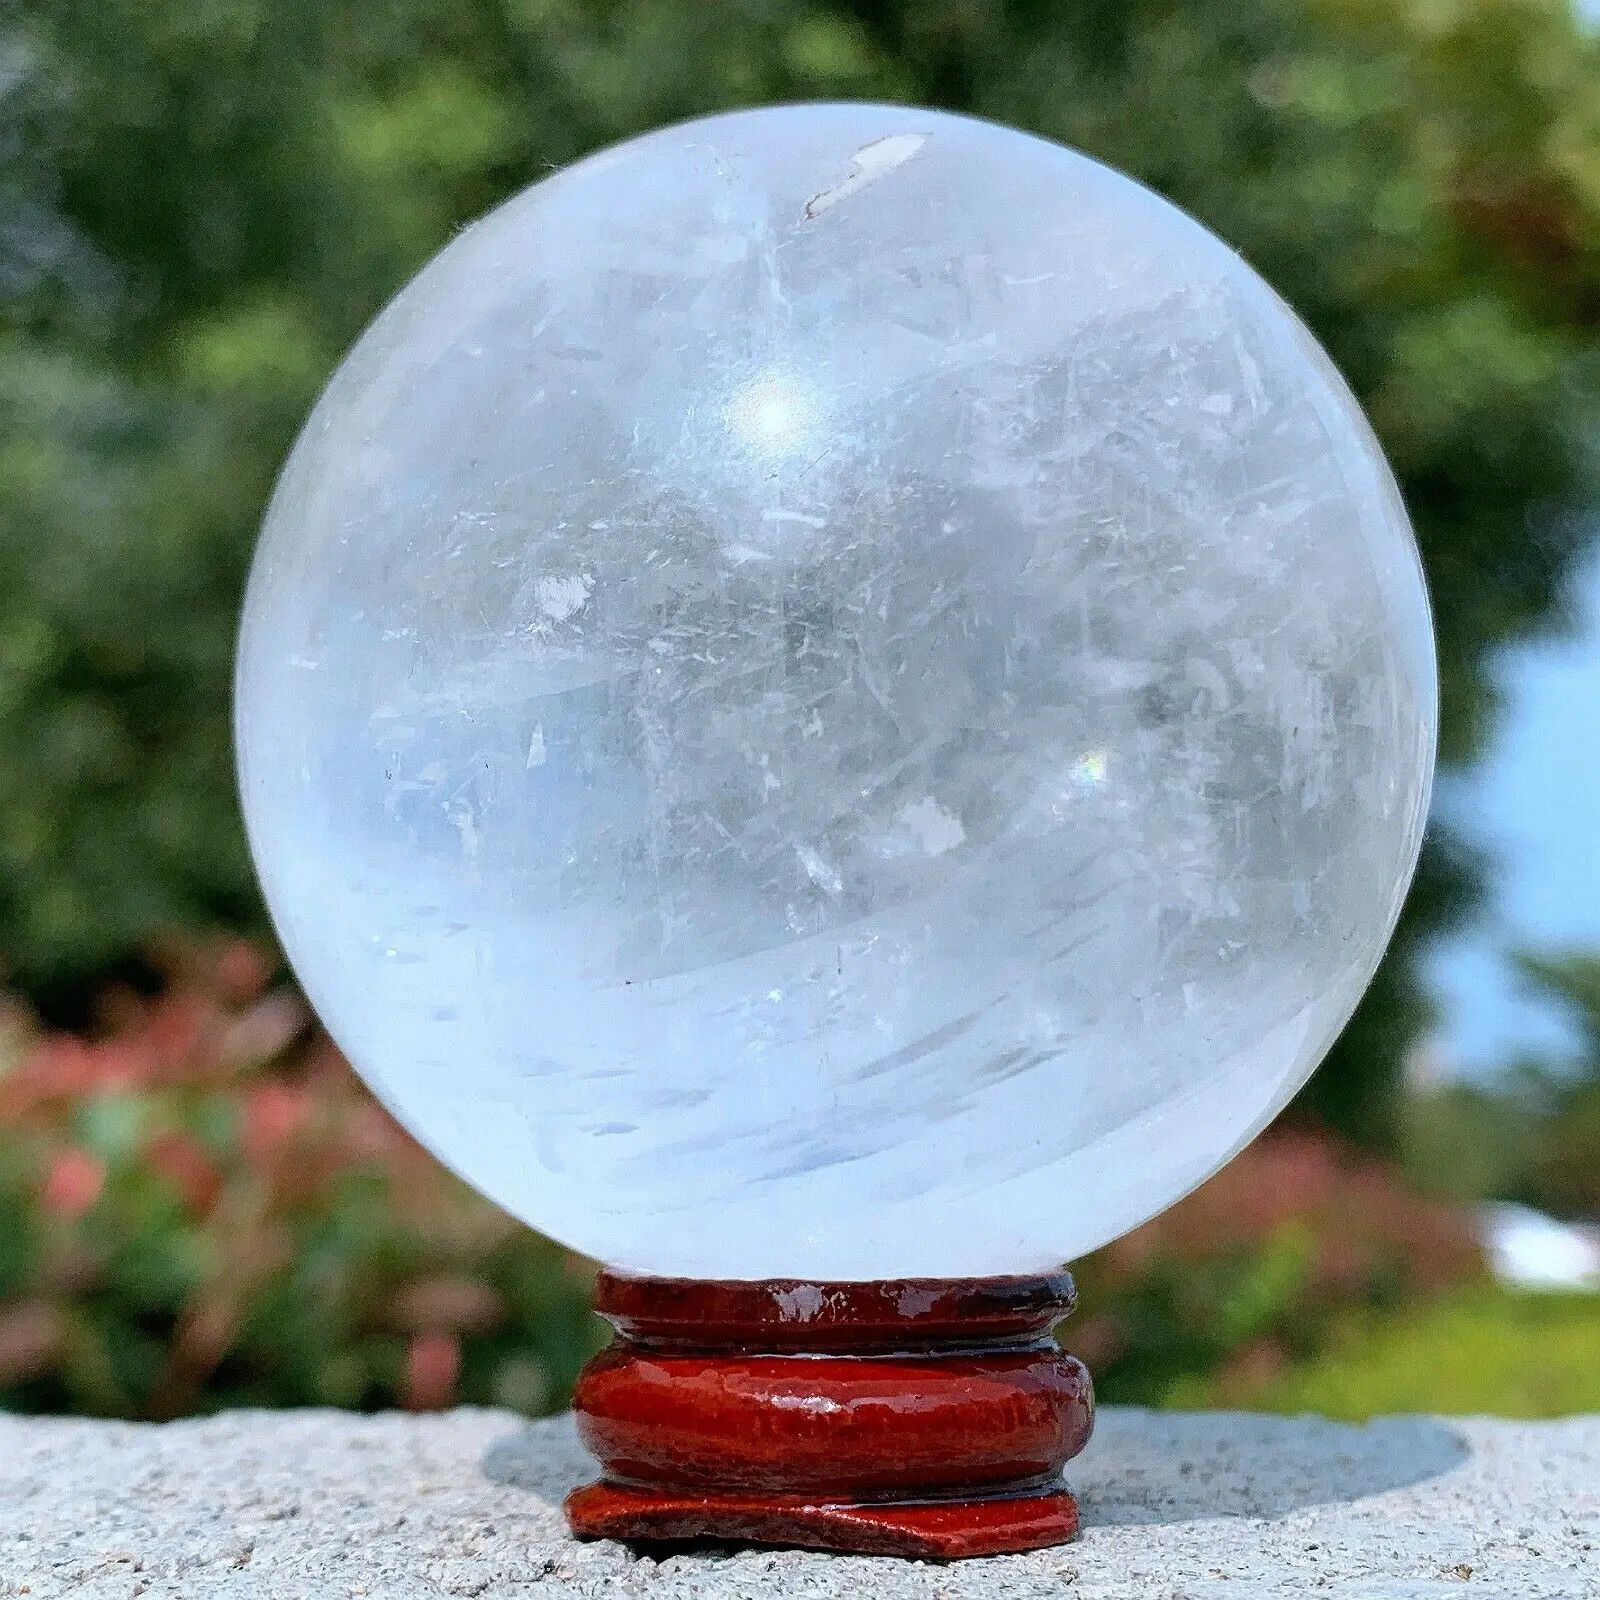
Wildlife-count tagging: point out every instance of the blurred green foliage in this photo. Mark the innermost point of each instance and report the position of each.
(1258, 1270)
(1478, 1352)
(203, 1207)
(1533, 1135)
(201, 202)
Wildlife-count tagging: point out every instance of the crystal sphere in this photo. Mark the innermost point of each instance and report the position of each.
(839, 692)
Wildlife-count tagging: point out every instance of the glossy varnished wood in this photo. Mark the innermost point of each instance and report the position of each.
(930, 1530)
(919, 1417)
(789, 1314)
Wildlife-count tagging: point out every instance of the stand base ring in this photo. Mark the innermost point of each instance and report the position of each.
(935, 1530)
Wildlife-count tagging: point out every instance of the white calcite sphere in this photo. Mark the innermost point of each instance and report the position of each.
(836, 692)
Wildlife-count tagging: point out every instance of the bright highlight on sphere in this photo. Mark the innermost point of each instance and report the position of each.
(836, 692)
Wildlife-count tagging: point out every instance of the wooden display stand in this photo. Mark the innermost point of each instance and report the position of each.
(924, 1417)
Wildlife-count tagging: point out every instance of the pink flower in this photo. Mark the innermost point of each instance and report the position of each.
(273, 1113)
(433, 1363)
(73, 1183)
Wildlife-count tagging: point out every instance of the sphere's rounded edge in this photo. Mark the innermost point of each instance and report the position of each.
(254, 618)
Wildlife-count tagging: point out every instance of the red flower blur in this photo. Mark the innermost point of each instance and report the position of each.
(433, 1364)
(73, 1184)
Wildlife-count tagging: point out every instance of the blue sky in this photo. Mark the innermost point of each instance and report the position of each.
(1536, 803)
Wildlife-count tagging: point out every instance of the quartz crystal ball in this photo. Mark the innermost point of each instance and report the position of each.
(836, 692)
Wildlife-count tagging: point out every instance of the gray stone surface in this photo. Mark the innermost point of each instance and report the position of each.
(321, 1504)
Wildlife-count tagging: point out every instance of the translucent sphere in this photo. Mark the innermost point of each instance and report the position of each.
(837, 692)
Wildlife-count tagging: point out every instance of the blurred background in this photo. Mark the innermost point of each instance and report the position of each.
(201, 204)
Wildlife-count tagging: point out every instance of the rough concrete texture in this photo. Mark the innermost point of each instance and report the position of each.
(314, 1503)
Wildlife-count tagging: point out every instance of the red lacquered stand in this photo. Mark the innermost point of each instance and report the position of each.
(925, 1417)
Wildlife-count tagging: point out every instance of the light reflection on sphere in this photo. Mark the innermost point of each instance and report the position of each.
(836, 692)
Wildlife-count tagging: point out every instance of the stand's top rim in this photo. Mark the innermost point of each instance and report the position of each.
(796, 1313)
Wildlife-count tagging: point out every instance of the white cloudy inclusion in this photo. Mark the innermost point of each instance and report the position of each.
(836, 692)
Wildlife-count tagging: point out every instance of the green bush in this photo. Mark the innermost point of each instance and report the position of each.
(202, 1207)
(1485, 1351)
(1259, 1269)
(1533, 1134)
(1468, 1142)
(205, 202)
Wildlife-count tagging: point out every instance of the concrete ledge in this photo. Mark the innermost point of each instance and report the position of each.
(323, 1504)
